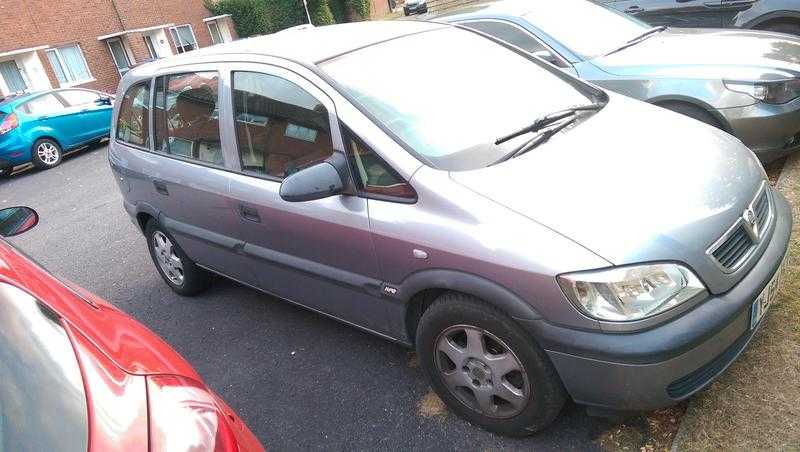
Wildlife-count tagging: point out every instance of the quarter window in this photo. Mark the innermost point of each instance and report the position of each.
(184, 38)
(373, 174)
(133, 123)
(280, 127)
(43, 105)
(187, 116)
(69, 65)
(516, 36)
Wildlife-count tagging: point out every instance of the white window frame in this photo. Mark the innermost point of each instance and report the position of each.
(114, 58)
(151, 46)
(219, 31)
(70, 83)
(177, 38)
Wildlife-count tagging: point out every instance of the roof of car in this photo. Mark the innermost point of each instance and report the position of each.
(312, 44)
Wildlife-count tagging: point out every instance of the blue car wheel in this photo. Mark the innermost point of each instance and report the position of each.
(46, 153)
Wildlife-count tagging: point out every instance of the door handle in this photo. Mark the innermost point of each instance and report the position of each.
(44, 118)
(161, 187)
(634, 9)
(249, 213)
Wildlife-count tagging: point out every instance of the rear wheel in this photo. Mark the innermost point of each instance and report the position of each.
(46, 154)
(783, 27)
(180, 273)
(486, 368)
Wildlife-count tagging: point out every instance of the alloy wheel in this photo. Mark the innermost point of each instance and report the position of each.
(168, 261)
(482, 372)
(48, 153)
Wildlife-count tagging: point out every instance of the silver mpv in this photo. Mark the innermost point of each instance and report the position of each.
(534, 237)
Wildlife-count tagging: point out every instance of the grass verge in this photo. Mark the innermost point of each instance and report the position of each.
(755, 405)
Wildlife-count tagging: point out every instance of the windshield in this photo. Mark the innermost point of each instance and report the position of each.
(42, 401)
(449, 93)
(591, 30)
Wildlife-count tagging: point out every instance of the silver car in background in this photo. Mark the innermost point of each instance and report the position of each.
(742, 81)
(532, 236)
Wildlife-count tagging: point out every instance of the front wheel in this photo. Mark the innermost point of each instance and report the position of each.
(486, 368)
(180, 273)
(46, 154)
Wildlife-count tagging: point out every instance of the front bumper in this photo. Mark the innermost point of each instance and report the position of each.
(658, 367)
(771, 131)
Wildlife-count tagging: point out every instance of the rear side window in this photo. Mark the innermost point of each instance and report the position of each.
(133, 123)
(43, 105)
(187, 116)
(280, 127)
(76, 97)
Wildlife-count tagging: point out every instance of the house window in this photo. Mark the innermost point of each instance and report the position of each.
(69, 65)
(13, 77)
(151, 47)
(184, 38)
(216, 35)
(119, 55)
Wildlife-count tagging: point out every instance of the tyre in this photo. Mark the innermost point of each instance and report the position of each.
(486, 368)
(783, 27)
(405, 12)
(46, 154)
(692, 112)
(179, 272)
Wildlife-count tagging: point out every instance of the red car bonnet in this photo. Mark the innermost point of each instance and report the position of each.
(128, 343)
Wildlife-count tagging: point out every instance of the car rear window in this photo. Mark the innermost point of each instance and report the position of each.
(42, 399)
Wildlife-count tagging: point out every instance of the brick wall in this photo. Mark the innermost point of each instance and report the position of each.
(31, 23)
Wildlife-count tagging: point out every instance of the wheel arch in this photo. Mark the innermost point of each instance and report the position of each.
(772, 18)
(419, 290)
(662, 101)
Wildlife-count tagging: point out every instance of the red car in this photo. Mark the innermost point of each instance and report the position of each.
(76, 373)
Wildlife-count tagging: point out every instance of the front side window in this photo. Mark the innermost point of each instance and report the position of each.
(481, 91)
(42, 397)
(280, 128)
(69, 64)
(515, 36)
(187, 116)
(47, 104)
(133, 123)
(184, 38)
(119, 55)
(79, 97)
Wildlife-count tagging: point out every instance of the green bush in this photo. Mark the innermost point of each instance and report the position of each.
(257, 17)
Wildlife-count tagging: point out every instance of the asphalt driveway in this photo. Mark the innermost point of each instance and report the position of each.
(299, 380)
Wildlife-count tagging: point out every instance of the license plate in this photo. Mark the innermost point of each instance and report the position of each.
(765, 299)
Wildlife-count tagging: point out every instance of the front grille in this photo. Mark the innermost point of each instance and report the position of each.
(734, 248)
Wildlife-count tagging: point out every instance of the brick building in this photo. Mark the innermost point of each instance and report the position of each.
(90, 43)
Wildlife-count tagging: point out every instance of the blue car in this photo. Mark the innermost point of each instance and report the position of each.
(39, 127)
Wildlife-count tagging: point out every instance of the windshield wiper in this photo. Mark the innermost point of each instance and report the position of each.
(546, 120)
(538, 139)
(640, 38)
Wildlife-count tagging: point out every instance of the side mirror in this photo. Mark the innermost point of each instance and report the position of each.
(16, 220)
(105, 100)
(315, 182)
(547, 56)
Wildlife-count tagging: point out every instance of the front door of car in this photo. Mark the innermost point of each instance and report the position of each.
(316, 253)
(674, 13)
(91, 116)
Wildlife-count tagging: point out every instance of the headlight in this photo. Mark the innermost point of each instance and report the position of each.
(779, 92)
(630, 293)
